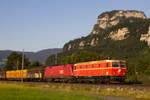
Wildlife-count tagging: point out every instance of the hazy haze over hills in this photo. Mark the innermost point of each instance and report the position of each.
(40, 56)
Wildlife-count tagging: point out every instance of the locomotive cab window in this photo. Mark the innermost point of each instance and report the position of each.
(115, 64)
(107, 65)
(86, 66)
(80, 67)
(68, 68)
(92, 65)
(123, 65)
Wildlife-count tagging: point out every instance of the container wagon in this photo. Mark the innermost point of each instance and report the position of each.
(36, 73)
(16, 74)
(2, 75)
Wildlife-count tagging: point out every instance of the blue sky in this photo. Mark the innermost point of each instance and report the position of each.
(40, 24)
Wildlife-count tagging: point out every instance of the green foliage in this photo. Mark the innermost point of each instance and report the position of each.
(139, 71)
(74, 58)
(132, 76)
(131, 69)
(133, 79)
(14, 61)
(83, 56)
(35, 64)
(142, 65)
(147, 71)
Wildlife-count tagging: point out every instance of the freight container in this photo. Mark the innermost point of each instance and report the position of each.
(16, 74)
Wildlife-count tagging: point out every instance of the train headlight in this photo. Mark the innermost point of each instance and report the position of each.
(119, 70)
(107, 73)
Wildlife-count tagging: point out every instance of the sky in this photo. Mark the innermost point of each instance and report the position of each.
(34, 25)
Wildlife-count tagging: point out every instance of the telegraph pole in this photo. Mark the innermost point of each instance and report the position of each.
(56, 58)
(17, 64)
(22, 66)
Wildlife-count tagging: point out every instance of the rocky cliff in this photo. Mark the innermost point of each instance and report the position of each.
(115, 26)
(112, 18)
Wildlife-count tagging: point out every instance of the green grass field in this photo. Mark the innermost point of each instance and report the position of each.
(22, 92)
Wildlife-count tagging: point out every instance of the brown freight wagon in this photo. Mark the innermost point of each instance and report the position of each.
(2, 75)
(36, 73)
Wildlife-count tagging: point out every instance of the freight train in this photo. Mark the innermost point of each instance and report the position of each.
(92, 71)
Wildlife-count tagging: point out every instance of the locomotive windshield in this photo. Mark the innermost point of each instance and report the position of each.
(122, 64)
(115, 64)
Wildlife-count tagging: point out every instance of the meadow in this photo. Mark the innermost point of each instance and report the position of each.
(30, 92)
(62, 91)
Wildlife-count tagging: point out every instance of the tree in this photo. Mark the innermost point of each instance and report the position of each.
(142, 65)
(131, 70)
(14, 61)
(147, 71)
(74, 58)
(35, 64)
(66, 60)
(83, 56)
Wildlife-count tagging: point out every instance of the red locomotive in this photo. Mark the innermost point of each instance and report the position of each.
(59, 73)
(104, 70)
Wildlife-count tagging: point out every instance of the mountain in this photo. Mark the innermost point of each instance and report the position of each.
(120, 34)
(43, 54)
(40, 56)
(116, 25)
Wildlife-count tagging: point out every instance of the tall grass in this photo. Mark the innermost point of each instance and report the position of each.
(119, 91)
(49, 91)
